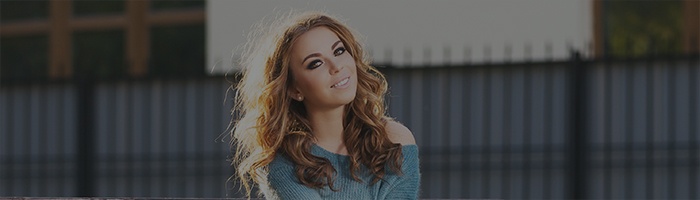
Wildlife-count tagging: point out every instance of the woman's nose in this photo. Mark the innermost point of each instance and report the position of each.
(335, 67)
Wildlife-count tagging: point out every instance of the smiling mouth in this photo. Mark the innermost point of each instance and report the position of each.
(342, 82)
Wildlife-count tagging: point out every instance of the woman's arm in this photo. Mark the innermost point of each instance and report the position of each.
(398, 133)
(408, 184)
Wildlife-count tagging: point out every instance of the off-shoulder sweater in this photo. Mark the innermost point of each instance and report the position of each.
(284, 184)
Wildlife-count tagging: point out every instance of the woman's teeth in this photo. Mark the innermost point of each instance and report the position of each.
(343, 82)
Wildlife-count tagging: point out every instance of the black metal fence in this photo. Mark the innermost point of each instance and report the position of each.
(577, 128)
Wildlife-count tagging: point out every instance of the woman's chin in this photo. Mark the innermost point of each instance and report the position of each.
(346, 100)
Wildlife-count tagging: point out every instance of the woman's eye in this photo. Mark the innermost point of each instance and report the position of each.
(314, 64)
(339, 50)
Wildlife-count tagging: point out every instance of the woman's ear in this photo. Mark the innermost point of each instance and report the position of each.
(295, 93)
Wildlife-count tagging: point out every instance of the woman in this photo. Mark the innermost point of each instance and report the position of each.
(312, 118)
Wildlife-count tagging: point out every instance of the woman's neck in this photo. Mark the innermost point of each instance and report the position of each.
(327, 126)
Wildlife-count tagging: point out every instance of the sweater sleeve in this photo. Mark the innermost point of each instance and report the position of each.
(407, 185)
(283, 183)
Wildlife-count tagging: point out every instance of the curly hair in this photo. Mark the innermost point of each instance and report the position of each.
(270, 122)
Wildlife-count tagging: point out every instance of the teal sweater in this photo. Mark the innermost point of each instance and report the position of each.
(285, 185)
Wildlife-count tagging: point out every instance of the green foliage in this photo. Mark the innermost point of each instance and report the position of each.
(635, 28)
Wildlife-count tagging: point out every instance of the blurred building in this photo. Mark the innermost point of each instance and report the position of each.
(138, 38)
(507, 99)
(102, 39)
(417, 33)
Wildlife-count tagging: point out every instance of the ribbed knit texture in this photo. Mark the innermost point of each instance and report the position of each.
(285, 185)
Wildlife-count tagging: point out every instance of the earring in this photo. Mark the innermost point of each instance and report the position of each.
(300, 98)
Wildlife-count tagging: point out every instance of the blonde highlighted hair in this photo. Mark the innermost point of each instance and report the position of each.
(270, 122)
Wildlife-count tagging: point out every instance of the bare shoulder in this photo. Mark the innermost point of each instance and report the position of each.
(398, 133)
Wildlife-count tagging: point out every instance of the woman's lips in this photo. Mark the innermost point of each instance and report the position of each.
(342, 83)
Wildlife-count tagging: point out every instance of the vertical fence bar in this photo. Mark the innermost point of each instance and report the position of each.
(445, 112)
(43, 149)
(199, 150)
(607, 130)
(122, 132)
(181, 155)
(186, 180)
(548, 135)
(199, 144)
(629, 132)
(26, 144)
(650, 148)
(527, 132)
(577, 141)
(60, 176)
(507, 132)
(146, 156)
(671, 119)
(430, 102)
(208, 121)
(4, 133)
(466, 131)
(162, 155)
(199, 153)
(526, 111)
(32, 141)
(11, 158)
(70, 137)
(694, 166)
(225, 120)
(139, 118)
(129, 137)
(86, 134)
(406, 91)
(106, 133)
(425, 109)
(486, 144)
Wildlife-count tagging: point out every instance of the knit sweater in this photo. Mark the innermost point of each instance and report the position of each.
(285, 185)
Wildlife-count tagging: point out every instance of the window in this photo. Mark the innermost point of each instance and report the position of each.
(23, 57)
(102, 39)
(171, 5)
(23, 10)
(177, 50)
(84, 7)
(98, 54)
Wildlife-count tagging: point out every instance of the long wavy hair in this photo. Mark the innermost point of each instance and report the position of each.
(270, 122)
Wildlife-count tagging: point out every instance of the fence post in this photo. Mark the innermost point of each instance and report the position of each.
(86, 142)
(577, 141)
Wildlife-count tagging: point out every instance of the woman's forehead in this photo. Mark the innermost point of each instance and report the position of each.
(316, 39)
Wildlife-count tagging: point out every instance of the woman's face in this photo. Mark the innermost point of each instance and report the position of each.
(325, 74)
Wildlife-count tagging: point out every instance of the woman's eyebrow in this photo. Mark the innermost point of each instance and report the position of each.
(335, 44)
(318, 54)
(309, 56)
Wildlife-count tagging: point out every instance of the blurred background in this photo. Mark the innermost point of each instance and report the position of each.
(535, 99)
